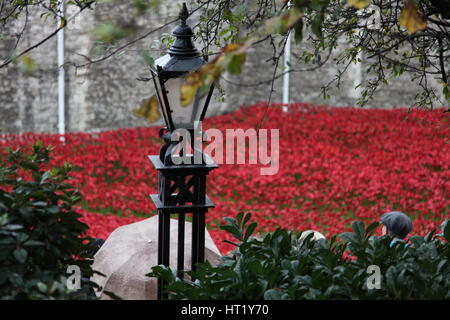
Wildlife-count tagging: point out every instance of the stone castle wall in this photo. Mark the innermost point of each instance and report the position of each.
(102, 96)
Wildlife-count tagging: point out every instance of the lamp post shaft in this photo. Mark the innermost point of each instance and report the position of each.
(181, 187)
(182, 191)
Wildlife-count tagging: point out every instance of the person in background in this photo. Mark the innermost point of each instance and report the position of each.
(396, 224)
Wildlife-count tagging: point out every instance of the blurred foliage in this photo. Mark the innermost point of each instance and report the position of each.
(148, 109)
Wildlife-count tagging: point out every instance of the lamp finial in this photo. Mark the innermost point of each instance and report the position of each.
(184, 14)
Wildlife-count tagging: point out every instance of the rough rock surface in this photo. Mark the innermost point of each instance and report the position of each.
(132, 250)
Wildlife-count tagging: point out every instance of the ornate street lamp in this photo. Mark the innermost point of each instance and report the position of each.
(168, 73)
(182, 187)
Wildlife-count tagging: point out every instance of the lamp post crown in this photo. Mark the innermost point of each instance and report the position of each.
(183, 46)
(168, 73)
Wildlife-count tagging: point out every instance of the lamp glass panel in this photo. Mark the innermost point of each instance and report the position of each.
(160, 96)
(183, 116)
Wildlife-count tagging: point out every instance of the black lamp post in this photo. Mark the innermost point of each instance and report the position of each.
(168, 73)
(182, 187)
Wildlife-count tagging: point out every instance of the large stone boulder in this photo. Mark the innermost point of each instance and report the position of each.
(132, 250)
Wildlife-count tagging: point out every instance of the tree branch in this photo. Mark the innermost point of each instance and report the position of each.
(11, 59)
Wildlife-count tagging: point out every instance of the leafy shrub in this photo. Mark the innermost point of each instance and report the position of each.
(278, 266)
(40, 235)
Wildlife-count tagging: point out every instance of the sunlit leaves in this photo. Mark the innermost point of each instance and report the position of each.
(63, 22)
(282, 23)
(236, 62)
(149, 109)
(231, 59)
(233, 56)
(411, 19)
(27, 64)
(358, 4)
(189, 91)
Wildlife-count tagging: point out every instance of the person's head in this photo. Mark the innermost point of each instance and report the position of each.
(397, 224)
(316, 235)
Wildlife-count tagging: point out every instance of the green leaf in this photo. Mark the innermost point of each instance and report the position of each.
(255, 267)
(7, 241)
(3, 219)
(298, 35)
(238, 12)
(239, 218)
(371, 228)
(21, 255)
(44, 177)
(429, 235)
(13, 227)
(29, 165)
(250, 230)
(237, 60)
(316, 26)
(416, 241)
(149, 61)
(42, 287)
(40, 204)
(231, 221)
(349, 236)
(247, 218)
(15, 279)
(112, 295)
(281, 23)
(232, 243)
(446, 92)
(3, 277)
(358, 228)
(33, 243)
(22, 237)
(53, 209)
(446, 225)
(273, 294)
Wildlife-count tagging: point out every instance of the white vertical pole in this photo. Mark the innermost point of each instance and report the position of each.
(287, 59)
(61, 73)
(356, 74)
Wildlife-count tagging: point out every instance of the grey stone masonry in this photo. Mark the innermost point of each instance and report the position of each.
(103, 95)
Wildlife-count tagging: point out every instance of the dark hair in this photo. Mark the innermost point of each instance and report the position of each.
(397, 223)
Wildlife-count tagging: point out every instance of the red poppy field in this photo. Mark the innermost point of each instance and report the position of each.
(336, 165)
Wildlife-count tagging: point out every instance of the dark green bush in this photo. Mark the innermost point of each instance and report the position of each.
(40, 234)
(278, 266)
